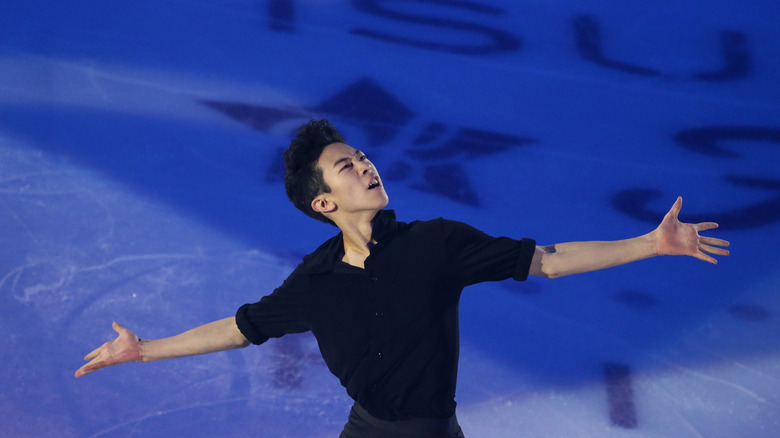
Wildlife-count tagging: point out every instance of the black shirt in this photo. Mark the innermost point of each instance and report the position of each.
(389, 332)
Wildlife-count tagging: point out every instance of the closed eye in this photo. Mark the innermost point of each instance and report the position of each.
(349, 163)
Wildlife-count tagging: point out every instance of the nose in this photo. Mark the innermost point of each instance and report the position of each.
(366, 167)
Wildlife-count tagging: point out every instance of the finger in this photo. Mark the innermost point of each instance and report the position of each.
(88, 368)
(96, 352)
(81, 371)
(117, 327)
(713, 250)
(701, 256)
(714, 241)
(675, 210)
(703, 226)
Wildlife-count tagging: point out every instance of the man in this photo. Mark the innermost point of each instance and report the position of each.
(382, 296)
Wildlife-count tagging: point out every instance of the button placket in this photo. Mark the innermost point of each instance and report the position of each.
(373, 280)
(378, 313)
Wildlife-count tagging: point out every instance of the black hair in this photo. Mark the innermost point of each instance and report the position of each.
(303, 180)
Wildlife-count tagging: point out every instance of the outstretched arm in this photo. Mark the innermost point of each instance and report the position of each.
(672, 237)
(127, 347)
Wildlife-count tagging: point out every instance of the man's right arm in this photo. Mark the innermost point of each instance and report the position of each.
(215, 336)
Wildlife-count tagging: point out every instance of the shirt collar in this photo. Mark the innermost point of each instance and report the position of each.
(384, 224)
(329, 253)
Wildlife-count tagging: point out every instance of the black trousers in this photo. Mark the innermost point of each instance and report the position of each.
(361, 424)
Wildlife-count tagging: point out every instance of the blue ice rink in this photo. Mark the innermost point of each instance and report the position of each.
(140, 182)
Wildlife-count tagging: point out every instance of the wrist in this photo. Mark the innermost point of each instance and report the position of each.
(652, 244)
(142, 350)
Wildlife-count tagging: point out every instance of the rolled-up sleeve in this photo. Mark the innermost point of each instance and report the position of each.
(527, 249)
(280, 313)
(244, 323)
(476, 256)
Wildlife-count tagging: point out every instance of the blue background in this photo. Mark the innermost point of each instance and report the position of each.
(140, 181)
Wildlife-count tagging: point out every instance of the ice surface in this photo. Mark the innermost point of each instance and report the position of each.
(140, 183)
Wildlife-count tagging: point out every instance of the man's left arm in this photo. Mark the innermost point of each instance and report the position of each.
(672, 237)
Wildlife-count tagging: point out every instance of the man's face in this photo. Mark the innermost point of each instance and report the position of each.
(354, 182)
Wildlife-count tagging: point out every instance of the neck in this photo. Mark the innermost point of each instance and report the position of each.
(357, 236)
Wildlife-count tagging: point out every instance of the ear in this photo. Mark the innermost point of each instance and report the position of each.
(322, 204)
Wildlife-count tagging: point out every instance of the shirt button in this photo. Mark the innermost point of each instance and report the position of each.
(379, 314)
(379, 355)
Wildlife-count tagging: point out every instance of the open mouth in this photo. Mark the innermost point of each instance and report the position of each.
(374, 183)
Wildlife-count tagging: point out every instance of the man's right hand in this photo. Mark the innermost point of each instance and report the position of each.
(125, 348)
